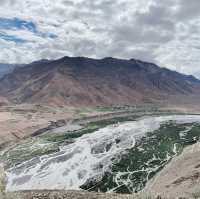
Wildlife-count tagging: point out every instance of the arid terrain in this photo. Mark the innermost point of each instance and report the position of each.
(109, 125)
(17, 122)
(99, 99)
(80, 82)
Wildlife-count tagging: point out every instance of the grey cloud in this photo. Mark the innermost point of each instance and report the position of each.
(188, 9)
(85, 45)
(137, 33)
(155, 25)
(8, 2)
(157, 16)
(162, 31)
(68, 3)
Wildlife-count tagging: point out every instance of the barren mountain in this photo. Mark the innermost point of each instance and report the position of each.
(90, 82)
(6, 68)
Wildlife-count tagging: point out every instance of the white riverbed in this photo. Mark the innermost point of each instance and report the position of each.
(88, 157)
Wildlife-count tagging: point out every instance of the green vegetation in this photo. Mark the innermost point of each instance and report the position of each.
(89, 128)
(2, 180)
(136, 108)
(107, 109)
(27, 150)
(48, 143)
(131, 171)
(196, 195)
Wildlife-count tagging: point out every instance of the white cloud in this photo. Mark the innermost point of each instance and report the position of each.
(165, 32)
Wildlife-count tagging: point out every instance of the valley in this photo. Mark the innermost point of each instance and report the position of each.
(98, 128)
(99, 99)
(118, 154)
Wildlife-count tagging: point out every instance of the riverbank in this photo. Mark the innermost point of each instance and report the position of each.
(19, 122)
(179, 178)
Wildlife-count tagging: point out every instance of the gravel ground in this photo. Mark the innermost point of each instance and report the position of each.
(64, 195)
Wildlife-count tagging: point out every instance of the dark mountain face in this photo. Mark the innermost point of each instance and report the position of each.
(90, 82)
(6, 68)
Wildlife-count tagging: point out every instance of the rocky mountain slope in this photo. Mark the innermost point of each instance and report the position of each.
(83, 81)
(6, 68)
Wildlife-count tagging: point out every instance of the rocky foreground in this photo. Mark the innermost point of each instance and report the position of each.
(65, 195)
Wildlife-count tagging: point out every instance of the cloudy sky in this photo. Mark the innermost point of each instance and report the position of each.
(166, 32)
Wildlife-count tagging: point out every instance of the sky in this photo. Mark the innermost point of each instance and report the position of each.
(165, 32)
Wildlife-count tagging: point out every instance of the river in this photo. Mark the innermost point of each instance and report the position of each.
(88, 157)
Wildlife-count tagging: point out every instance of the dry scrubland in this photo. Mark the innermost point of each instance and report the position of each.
(21, 121)
(17, 122)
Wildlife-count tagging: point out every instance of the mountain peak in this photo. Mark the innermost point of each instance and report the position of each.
(80, 81)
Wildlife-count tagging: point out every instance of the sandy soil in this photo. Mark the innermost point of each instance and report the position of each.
(189, 104)
(20, 121)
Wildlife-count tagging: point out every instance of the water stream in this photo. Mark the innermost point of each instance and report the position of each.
(88, 157)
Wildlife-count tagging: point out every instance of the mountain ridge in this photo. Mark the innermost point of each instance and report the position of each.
(6, 68)
(80, 81)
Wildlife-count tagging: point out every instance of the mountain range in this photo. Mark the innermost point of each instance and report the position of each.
(6, 68)
(80, 81)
